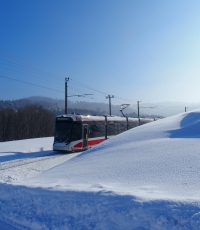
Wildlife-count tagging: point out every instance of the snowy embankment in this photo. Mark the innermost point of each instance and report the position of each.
(145, 178)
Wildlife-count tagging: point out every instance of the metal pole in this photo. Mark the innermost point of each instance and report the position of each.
(138, 107)
(109, 97)
(66, 97)
(110, 104)
(126, 123)
(106, 130)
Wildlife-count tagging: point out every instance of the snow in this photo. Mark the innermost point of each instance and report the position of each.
(145, 178)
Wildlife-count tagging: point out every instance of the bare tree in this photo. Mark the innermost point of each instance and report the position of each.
(32, 121)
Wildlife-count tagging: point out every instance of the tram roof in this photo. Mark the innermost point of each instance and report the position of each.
(78, 117)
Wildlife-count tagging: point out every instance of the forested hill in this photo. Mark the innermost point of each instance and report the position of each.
(57, 105)
(45, 102)
(79, 107)
(34, 117)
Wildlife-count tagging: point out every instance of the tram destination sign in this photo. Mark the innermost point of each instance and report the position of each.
(64, 118)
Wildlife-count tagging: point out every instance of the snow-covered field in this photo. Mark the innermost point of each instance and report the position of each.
(145, 178)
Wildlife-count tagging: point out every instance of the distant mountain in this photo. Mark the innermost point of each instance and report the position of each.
(47, 103)
(58, 105)
(169, 108)
(80, 107)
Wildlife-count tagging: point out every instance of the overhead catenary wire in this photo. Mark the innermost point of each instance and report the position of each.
(40, 71)
(38, 77)
(57, 77)
(27, 67)
(158, 106)
(30, 66)
(88, 97)
(15, 66)
(28, 83)
(53, 75)
(31, 75)
(88, 87)
(101, 91)
(44, 87)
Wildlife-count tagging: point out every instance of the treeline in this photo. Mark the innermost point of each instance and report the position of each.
(31, 121)
(47, 103)
(54, 105)
(57, 106)
(34, 121)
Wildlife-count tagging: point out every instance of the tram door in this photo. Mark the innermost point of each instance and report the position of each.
(85, 136)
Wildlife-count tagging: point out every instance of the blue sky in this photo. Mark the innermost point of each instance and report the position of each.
(132, 49)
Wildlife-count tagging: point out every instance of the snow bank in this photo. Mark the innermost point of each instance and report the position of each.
(159, 160)
(39, 208)
(12, 150)
(147, 178)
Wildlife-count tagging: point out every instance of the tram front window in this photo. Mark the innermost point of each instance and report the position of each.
(62, 131)
(76, 132)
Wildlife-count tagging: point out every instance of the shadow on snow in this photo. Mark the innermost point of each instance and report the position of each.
(8, 156)
(189, 127)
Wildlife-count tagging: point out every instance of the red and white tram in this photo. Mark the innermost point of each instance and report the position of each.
(78, 132)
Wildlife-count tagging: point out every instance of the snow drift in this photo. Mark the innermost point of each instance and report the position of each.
(159, 160)
(145, 178)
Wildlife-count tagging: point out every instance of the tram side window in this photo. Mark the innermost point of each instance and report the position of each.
(122, 127)
(117, 128)
(76, 132)
(111, 128)
(132, 125)
(96, 129)
(102, 129)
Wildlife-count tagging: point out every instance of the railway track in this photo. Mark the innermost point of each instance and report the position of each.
(24, 168)
(24, 161)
